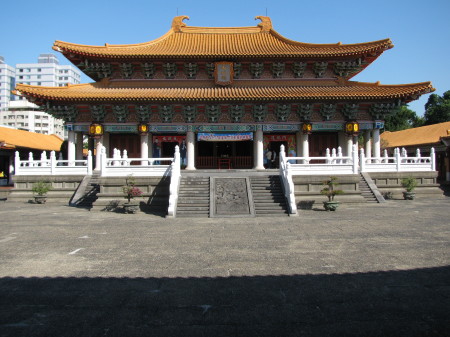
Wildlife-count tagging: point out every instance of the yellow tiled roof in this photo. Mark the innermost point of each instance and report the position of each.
(13, 138)
(206, 91)
(429, 134)
(259, 41)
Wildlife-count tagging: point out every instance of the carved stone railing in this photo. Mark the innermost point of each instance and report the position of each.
(399, 162)
(51, 166)
(287, 183)
(175, 178)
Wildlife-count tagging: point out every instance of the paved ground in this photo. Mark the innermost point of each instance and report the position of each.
(368, 270)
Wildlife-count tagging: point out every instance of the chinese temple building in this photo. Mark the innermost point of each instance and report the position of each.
(223, 93)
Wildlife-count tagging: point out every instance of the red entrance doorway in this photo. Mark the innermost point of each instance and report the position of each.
(228, 154)
(128, 141)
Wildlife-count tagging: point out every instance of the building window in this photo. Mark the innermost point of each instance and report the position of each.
(39, 83)
(20, 70)
(39, 70)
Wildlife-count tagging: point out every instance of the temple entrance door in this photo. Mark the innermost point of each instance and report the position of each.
(275, 146)
(168, 149)
(129, 142)
(319, 142)
(239, 154)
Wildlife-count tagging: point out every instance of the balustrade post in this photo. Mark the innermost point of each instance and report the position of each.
(433, 159)
(52, 163)
(327, 155)
(386, 157)
(44, 159)
(30, 160)
(398, 159)
(282, 158)
(17, 163)
(89, 163)
(355, 159)
(362, 160)
(340, 155)
(125, 162)
(102, 156)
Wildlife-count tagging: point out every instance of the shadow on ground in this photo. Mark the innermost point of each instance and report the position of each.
(397, 303)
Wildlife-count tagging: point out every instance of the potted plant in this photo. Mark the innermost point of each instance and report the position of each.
(130, 192)
(330, 191)
(409, 184)
(40, 190)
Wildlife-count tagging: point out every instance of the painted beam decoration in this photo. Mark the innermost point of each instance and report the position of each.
(224, 137)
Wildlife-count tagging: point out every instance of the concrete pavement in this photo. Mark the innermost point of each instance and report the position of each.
(366, 270)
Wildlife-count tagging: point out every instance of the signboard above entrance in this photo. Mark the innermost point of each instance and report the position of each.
(225, 137)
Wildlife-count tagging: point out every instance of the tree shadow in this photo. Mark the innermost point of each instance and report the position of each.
(394, 303)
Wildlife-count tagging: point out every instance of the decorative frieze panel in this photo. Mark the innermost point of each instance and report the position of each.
(350, 111)
(237, 68)
(143, 112)
(213, 113)
(278, 69)
(282, 112)
(191, 70)
(148, 70)
(120, 113)
(298, 69)
(236, 113)
(304, 111)
(166, 113)
(98, 112)
(328, 111)
(68, 113)
(256, 69)
(345, 68)
(189, 113)
(100, 69)
(170, 70)
(320, 68)
(380, 111)
(259, 112)
(210, 70)
(126, 69)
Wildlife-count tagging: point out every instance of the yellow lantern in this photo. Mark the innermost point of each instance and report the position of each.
(95, 130)
(352, 128)
(307, 128)
(142, 128)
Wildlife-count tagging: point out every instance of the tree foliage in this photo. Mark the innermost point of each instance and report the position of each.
(404, 118)
(437, 109)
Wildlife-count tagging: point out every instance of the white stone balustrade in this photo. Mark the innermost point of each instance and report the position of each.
(175, 178)
(51, 166)
(288, 184)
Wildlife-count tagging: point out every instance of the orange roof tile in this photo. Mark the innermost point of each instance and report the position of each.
(13, 138)
(281, 90)
(259, 41)
(429, 134)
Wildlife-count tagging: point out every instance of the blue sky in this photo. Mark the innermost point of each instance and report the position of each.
(420, 30)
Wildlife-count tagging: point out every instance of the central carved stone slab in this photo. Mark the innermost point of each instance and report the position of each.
(231, 196)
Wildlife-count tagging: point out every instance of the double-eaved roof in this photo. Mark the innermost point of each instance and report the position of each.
(207, 42)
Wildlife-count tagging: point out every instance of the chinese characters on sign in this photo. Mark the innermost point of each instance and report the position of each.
(223, 73)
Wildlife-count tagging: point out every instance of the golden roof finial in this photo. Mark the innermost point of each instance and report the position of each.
(266, 23)
(177, 22)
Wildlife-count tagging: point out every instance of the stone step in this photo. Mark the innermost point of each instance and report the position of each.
(190, 209)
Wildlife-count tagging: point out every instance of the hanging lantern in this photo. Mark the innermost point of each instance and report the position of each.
(142, 128)
(307, 128)
(352, 128)
(95, 130)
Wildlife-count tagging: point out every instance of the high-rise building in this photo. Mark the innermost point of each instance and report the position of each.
(7, 83)
(17, 112)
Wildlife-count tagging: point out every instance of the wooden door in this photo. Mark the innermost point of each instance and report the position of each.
(129, 142)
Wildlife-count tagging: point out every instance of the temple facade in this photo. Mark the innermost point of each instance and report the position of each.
(224, 95)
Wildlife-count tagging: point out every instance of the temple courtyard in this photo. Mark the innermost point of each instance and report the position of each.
(365, 270)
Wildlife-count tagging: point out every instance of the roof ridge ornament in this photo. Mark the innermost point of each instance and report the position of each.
(177, 22)
(266, 23)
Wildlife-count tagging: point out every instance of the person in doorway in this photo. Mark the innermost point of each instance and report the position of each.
(273, 159)
(269, 153)
(156, 150)
(183, 151)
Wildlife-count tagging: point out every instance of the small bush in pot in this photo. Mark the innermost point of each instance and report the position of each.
(130, 192)
(330, 190)
(409, 184)
(40, 190)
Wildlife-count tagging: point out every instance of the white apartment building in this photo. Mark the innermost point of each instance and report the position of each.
(7, 83)
(27, 116)
(16, 111)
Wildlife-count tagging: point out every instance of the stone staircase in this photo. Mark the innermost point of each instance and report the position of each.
(193, 197)
(268, 196)
(366, 192)
(88, 190)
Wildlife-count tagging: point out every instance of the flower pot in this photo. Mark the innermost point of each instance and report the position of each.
(409, 195)
(330, 205)
(40, 199)
(131, 207)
